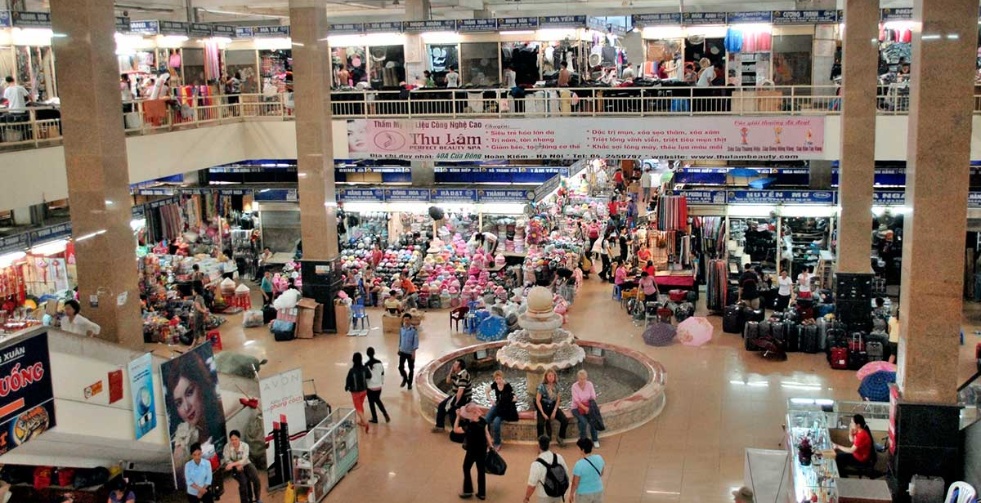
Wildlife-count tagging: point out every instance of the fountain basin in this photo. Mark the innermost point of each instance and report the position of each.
(633, 407)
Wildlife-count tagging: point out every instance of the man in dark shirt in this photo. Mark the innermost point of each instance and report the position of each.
(749, 292)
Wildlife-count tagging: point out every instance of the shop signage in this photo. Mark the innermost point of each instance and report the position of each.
(243, 32)
(223, 30)
(139, 212)
(4, 19)
(373, 169)
(695, 18)
(476, 25)
(51, 233)
(282, 400)
(762, 16)
(454, 195)
(889, 198)
(233, 192)
(383, 27)
(142, 393)
(664, 18)
(162, 202)
(562, 22)
(26, 393)
(897, 14)
(276, 195)
(974, 200)
(505, 196)
(517, 23)
(162, 191)
(704, 197)
(611, 24)
(200, 30)
(433, 25)
(361, 195)
(728, 138)
(271, 31)
(122, 24)
(407, 195)
(805, 16)
(173, 28)
(17, 242)
(26, 19)
(548, 187)
(145, 27)
(346, 28)
(780, 197)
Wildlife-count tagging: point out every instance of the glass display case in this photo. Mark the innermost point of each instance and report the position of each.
(325, 454)
(814, 473)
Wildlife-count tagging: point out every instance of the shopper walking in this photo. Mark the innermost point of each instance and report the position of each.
(604, 253)
(236, 456)
(505, 406)
(645, 186)
(583, 398)
(266, 286)
(539, 475)
(462, 389)
(408, 344)
(476, 442)
(375, 384)
(357, 384)
(200, 314)
(749, 287)
(547, 407)
(587, 475)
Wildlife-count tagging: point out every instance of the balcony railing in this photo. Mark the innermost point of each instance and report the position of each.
(41, 127)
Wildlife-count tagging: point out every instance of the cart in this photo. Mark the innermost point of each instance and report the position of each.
(317, 409)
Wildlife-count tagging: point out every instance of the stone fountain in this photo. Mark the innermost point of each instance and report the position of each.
(541, 344)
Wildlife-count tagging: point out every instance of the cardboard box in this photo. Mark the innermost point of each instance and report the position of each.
(391, 325)
(306, 312)
(342, 316)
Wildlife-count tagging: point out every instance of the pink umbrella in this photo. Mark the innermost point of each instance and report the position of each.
(695, 331)
(873, 367)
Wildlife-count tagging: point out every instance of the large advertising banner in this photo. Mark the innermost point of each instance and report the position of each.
(194, 410)
(283, 419)
(26, 393)
(690, 138)
(141, 391)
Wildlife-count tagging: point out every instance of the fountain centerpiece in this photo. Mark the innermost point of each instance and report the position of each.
(541, 345)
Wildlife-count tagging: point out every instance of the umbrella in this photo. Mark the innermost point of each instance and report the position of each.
(744, 172)
(493, 328)
(695, 331)
(875, 386)
(659, 334)
(762, 183)
(873, 367)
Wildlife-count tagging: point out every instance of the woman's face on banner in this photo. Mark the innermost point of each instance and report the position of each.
(188, 401)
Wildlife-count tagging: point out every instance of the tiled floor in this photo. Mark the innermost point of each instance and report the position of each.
(721, 400)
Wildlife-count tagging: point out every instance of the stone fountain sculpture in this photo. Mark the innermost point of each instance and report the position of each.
(540, 345)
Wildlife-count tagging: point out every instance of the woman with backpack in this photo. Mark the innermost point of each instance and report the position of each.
(357, 385)
(587, 475)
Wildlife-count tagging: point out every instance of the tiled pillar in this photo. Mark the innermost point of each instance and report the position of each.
(415, 47)
(939, 143)
(819, 175)
(314, 145)
(857, 167)
(423, 173)
(98, 173)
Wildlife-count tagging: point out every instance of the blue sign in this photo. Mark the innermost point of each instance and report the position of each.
(243, 32)
(517, 23)
(17, 242)
(763, 16)
(805, 16)
(704, 197)
(373, 169)
(4, 19)
(505, 196)
(173, 28)
(200, 30)
(51, 233)
(974, 200)
(900, 14)
(163, 202)
(346, 28)
(31, 19)
(384, 27)
(142, 394)
(271, 31)
(407, 195)
(664, 18)
(780, 197)
(122, 24)
(476, 25)
(695, 18)
(162, 191)
(223, 30)
(454, 195)
(139, 212)
(433, 25)
(277, 195)
(361, 195)
(889, 198)
(562, 21)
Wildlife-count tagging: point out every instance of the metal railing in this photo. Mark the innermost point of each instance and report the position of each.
(41, 127)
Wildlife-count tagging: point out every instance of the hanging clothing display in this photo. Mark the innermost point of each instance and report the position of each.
(672, 213)
(717, 285)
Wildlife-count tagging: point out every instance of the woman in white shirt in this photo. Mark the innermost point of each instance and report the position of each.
(785, 289)
(804, 284)
(375, 383)
(452, 78)
(707, 73)
(75, 323)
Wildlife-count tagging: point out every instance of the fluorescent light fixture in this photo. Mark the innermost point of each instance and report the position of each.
(557, 33)
(953, 36)
(90, 235)
(137, 223)
(707, 31)
(662, 32)
(31, 36)
(895, 210)
(814, 211)
(445, 37)
(902, 25)
(10, 258)
(171, 41)
(502, 208)
(222, 40)
(812, 401)
(752, 210)
(518, 32)
(932, 36)
(51, 248)
(272, 43)
(754, 27)
(805, 387)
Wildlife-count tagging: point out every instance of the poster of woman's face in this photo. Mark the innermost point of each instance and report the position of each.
(194, 409)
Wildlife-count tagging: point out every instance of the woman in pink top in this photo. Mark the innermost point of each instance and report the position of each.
(583, 394)
(648, 285)
(620, 276)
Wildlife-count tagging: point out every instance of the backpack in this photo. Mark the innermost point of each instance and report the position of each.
(556, 481)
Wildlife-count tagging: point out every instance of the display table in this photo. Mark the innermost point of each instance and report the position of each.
(863, 491)
(325, 454)
(675, 279)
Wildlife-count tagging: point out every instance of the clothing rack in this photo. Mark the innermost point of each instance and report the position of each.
(717, 285)
(672, 213)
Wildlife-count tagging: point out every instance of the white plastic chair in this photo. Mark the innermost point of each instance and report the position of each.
(965, 493)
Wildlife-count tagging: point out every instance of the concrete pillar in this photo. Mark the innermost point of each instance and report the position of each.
(939, 146)
(314, 140)
(857, 168)
(98, 173)
(819, 175)
(415, 47)
(423, 173)
(816, 4)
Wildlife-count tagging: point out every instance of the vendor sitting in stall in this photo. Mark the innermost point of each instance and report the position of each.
(393, 303)
(862, 453)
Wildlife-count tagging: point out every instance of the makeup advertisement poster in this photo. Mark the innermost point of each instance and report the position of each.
(283, 419)
(141, 389)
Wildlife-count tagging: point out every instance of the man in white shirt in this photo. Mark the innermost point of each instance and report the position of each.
(452, 78)
(645, 186)
(16, 97)
(539, 471)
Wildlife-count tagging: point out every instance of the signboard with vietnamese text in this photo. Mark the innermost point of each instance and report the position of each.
(701, 138)
(26, 392)
(361, 195)
(271, 31)
(173, 28)
(476, 25)
(426, 26)
(517, 23)
(805, 16)
(407, 195)
(505, 195)
(454, 195)
(897, 14)
(704, 197)
(763, 16)
(562, 22)
(781, 197)
(25, 19)
(888, 198)
(696, 18)
(346, 28)
(664, 18)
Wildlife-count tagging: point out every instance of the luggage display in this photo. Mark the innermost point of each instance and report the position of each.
(839, 358)
(857, 359)
(753, 314)
(732, 320)
(268, 314)
(252, 318)
(752, 330)
(856, 342)
(750, 344)
(794, 335)
(766, 329)
(678, 295)
(692, 296)
(283, 330)
(684, 311)
(875, 351)
(780, 330)
(809, 341)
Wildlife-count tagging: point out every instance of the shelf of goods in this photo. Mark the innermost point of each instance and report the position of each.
(808, 236)
(814, 473)
(325, 454)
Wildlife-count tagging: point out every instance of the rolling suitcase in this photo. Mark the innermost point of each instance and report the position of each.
(268, 314)
(750, 334)
(794, 334)
(779, 331)
(809, 342)
(753, 314)
(732, 322)
(839, 358)
(875, 351)
(765, 329)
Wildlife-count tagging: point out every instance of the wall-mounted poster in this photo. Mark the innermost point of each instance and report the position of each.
(26, 394)
(141, 389)
(194, 410)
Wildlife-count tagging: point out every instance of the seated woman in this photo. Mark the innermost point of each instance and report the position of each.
(393, 303)
(862, 453)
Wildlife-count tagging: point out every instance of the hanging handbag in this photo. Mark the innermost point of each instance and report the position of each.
(494, 464)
